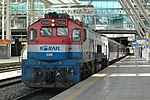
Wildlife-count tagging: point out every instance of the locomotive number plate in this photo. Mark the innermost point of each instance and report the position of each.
(49, 54)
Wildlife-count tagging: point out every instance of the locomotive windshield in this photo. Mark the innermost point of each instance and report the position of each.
(62, 31)
(46, 31)
(76, 34)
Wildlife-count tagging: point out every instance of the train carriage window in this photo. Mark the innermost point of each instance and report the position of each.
(99, 49)
(62, 31)
(46, 31)
(76, 35)
(32, 35)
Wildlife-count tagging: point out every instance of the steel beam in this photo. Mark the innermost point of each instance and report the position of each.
(135, 13)
(133, 20)
(145, 14)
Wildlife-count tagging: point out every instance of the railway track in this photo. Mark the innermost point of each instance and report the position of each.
(10, 64)
(10, 81)
(41, 94)
(8, 69)
(28, 95)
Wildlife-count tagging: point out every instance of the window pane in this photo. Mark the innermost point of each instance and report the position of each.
(76, 35)
(46, 31)
(62, 31)
(32, 35)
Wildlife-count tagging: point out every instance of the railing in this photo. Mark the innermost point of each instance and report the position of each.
(23, 53)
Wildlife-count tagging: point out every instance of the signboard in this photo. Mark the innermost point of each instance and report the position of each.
(5, 41)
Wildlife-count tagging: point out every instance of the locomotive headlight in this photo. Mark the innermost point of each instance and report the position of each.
(72, 72)
(53, 20)
(60, 62)
(53, 24)
(39, 62)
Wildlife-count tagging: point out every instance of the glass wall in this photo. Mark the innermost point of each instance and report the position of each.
(110, 16)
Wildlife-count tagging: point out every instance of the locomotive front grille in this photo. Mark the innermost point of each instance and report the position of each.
(49, 75)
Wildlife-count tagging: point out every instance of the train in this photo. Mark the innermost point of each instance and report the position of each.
(62, 51)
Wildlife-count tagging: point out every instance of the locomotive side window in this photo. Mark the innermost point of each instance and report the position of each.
(32, 35)
(76, 35)
(62, 31)
(46, 31)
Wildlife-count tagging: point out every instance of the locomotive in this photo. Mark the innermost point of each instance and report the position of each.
(62, 51)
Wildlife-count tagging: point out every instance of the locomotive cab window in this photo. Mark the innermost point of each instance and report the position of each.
(62, 31)
(32, 35)
(76, 35)
(46, 31)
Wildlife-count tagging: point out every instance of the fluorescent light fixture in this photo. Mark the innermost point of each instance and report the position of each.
(54, 1)
(99, 75)
(65, 1)
(144, 74)
(121, 74)
(113, 66)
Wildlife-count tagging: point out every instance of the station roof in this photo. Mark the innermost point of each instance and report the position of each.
(54, 2)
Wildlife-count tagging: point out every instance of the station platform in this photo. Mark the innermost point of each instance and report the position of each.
(127, 79)
(13, 61)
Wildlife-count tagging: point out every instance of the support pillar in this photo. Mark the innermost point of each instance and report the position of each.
(3, 20)
(32, 11)
(8, 24)
(137, 48)
(148, 45)
(27, 23)
(94, 22)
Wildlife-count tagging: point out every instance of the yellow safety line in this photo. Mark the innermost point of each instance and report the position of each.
(86, 86)
(79, 91)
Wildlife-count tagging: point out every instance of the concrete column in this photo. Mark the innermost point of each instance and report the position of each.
(137, 49)
(94, 22)
(27, 14)
(32, 11)
(148, 44)
(3, 20)
(8, 20)
(8, 24)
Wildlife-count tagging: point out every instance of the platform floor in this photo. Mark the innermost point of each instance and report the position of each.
(10, 60)
(127, 79)
(7, 75)
(13, 61)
